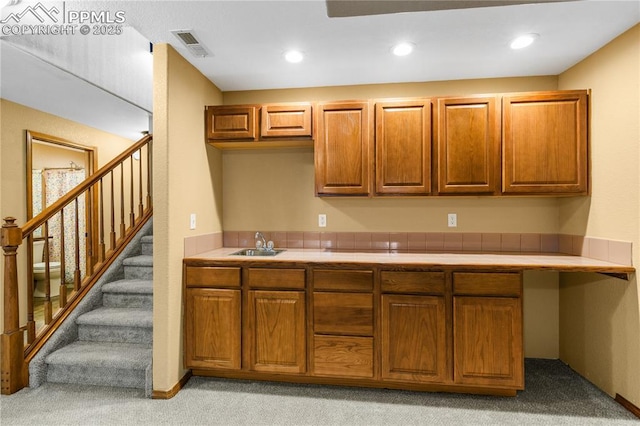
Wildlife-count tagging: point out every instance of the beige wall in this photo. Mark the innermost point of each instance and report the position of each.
(600, 317)
(370, 91)
(186, 178)
(15, 120)
(273, 190)
(47, 156)
(280, 184)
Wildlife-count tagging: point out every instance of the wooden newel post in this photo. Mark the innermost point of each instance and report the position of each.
(14, 371)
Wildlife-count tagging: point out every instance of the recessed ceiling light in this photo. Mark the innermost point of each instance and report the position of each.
(523, 40)
(402, 49)
(293, 56)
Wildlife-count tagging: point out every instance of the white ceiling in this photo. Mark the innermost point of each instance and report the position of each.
(30, 81)
(246, 40)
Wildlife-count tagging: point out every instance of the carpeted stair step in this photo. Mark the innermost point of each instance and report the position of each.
(128, 294)
(103, 364)
(123, 325)
(147, 245)
(138, 267)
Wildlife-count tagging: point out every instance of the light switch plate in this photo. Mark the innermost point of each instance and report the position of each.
(192, 221)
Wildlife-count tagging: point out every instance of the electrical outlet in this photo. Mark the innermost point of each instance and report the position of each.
(452, 220)
(192, 221)
(322, 220)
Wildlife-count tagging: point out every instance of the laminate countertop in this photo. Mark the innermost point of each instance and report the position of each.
(484, 261)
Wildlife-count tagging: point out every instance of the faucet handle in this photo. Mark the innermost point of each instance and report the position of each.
(270, 245)
(258, 244)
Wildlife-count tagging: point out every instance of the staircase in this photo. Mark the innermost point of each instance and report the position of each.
(114, 339)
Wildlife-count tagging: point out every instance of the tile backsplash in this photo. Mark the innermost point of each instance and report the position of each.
(402, 241)
(202, 243)
(422, 242)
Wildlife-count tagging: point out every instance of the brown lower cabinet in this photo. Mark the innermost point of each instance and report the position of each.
(212, 323)
(414, 343)
(487, 328)
(375, 326)
(212, 328)
(343, 323)
(276, 331)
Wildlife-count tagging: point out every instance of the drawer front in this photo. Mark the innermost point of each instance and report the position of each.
(413, 282)
(487, 284)
(276, 278)
(343, 356)
(348, 314)
(212, 276)
(343, 280)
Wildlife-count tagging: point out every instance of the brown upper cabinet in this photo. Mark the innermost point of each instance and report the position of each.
(286, 120)
(545, 143)
(532, 143)
(403, 147)
(260, 126)
(343, 148)
(239, 122)
(468, 145)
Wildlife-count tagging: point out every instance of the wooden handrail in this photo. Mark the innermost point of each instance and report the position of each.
(15, 354)
(47, 213)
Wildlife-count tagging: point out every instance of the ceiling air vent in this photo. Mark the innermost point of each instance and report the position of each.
(189, 39)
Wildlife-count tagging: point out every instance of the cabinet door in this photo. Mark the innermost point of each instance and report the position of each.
(545, 143)
(232, 122)
(468, 144)
(343, 151)
(286, 120)
(212, 328)
(414, 340)
(403, 147)
(488, 341)
(276, 331)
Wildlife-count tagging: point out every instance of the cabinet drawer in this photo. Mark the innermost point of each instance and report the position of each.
(343, 313)
(212, 276)
(276, 278)
(286, 120)
(413, 282)
(487, 284)
(343, 280)
(343, 356)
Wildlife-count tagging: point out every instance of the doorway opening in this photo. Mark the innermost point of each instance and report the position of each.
(54, 167)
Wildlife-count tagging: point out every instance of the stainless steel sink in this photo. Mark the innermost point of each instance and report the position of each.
(256, 252)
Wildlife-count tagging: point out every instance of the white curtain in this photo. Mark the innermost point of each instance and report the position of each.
(56, 184)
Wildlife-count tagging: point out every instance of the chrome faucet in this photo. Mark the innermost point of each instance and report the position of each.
(260, 244)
